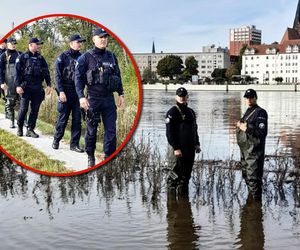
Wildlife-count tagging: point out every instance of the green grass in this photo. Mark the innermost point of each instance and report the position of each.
(30, 156)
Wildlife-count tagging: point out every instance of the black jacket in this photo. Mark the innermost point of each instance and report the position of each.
(257, 122)
(182, 127)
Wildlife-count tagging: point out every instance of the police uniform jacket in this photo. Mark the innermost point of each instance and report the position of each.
(11, 55)
(257, 123)
(65, 70)
(31, 70)
(182, 127)
(94, 69)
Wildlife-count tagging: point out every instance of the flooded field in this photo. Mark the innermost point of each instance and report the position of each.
(125, 205)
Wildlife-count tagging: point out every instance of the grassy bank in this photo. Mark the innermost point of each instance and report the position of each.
(28, 155)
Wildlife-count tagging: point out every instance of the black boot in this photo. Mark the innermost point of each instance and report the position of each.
(55, 144)
(30, 133)
(91, 161)
(20, 131)
(12, 125)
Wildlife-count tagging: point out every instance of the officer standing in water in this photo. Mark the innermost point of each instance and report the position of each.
(98, 70)
(67, 97)
(251, 133)
(31, 70)
(182, 135)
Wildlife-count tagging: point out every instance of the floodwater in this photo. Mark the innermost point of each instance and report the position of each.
(125, 205)
(217, 115)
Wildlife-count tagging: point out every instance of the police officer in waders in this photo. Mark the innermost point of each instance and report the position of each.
(251, 134)
(31, 70)
(98, 70)
(7, 72)
(182, 135)
(67, 97)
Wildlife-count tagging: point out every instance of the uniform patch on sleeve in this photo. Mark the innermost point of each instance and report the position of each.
(261, 125)
(168, 119)
(17, 60)
(58, 59)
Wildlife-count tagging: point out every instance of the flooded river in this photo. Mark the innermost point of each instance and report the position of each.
(125, 205)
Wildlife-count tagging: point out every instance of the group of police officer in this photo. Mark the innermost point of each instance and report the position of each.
(22, 76)
(182, 135)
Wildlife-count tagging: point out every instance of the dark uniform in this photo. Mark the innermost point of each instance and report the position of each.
(7, 72)
(31, 71)
(252, 146)
(1, 90)
(65, 76)
(182, 134)
(99, 70)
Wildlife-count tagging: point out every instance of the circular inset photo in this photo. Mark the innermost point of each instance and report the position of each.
(71, 93)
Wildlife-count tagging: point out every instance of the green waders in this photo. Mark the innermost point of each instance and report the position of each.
(252, 160)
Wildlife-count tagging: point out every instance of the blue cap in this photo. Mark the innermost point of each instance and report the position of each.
(12, 40)
(35, 40)
(76, 37)
(100, 32)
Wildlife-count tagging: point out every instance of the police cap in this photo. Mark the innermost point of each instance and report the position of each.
(35, 40)
(181, 92)
(4, 41)
(250, 93)
(76, 37)
(100, 32)
(12, 40)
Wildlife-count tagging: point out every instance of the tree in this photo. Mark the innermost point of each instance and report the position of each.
(169, 66)
(219, 73)
(279, 79)
(231, 71)
(240, 58)
(148, 76)
(191, 65)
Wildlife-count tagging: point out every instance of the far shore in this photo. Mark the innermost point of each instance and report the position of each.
(202, 87)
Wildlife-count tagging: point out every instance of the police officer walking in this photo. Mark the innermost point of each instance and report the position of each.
(7, 72)
(183, 137)
(2, 50)
(31, 71)
(98, 69)
(67, 97)
(251, 134)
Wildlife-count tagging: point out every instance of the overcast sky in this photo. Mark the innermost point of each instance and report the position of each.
(175, 26)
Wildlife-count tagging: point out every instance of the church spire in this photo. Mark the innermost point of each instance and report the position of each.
(297, 16)
(153, 48)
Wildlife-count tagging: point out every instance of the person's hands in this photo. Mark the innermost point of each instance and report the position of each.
(178, 153)
(121, 102)
(242, 126)
(4, 86)
(48, 90)
(19, 90)
(84, 103)
(198, 149)
(62, 97)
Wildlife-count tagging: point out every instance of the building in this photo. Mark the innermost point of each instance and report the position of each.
(245, 35)
(265, 63)
(209, 59)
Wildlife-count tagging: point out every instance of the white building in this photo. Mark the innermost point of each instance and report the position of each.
(267, 62)
(209, 59)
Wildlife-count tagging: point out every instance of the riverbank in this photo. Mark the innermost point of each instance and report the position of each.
(257, 87)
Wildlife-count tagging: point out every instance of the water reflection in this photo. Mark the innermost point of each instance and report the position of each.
(182, 233)
(251, 235)
(126, 203)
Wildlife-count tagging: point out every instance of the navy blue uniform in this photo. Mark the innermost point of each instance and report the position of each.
(7, 72)
(99, 70)
(64, 77)
(31, 71)
(1, 90)
(182, 133)
(252, 147)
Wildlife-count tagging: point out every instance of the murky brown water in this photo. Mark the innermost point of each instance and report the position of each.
(126, 205)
